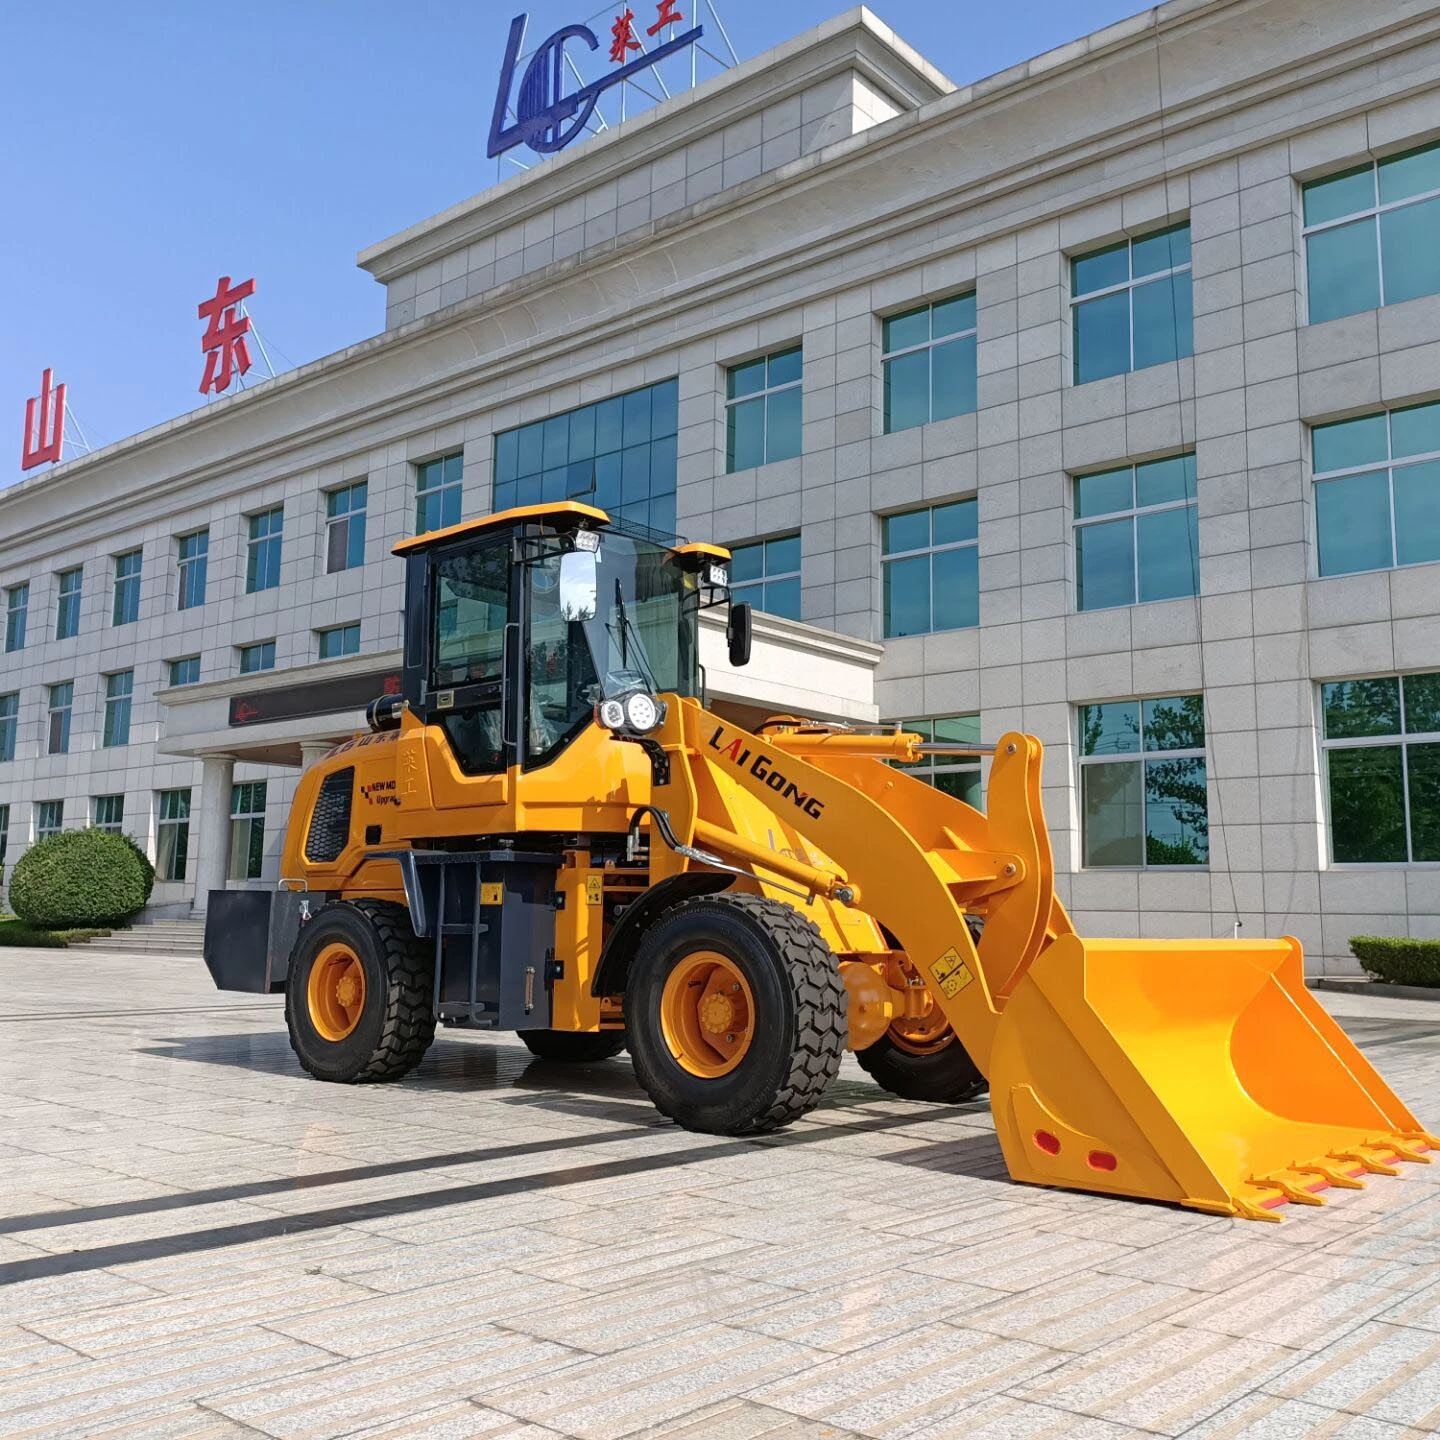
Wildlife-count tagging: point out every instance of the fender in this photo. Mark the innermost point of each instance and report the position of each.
(620, 946)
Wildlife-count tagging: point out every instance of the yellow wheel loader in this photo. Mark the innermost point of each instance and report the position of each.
(547, 832)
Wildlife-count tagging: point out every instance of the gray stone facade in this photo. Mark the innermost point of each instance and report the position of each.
(801, 198)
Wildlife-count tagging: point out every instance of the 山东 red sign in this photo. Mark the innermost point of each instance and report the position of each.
(226, 352)
(44, 425)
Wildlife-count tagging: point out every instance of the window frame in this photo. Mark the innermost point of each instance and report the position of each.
(1128, 284)
(4, 837)
(42, 830)
(1402, 741)
(1389, 466)
(1133, 513)
(180, 825)
(264, 549)
(1139, 756)
(112, 827)
(742, 589)
(114, 703)
(65, 711)
(67, 602)
(12, 611)
(929, 766)
(9, 727)
(248, 801)
(126, 607)
(886, 557)
(1373, 213)
(422, 492)
(191, 566)
(888, 356)
(347, 517)
(182, 660)
(343, 630)
(252, 647)
(763, 394)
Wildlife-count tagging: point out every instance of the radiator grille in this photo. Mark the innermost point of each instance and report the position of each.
(330, 821)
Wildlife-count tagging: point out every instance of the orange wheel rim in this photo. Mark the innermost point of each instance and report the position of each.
(336, 992)
(707, 1014)
(923, 1034)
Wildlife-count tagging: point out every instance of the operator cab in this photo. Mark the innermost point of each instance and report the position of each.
(525, 627)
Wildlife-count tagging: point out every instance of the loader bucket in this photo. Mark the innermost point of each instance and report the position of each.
(1198, 1072)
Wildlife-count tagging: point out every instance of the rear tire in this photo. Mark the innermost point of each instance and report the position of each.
(358, 998)
(573, 1047)
(943, 1074)
(736, 1014)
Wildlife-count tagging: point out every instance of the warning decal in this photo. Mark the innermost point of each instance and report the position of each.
(951, 973)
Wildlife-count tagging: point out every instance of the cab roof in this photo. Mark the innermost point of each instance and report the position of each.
(563, 514)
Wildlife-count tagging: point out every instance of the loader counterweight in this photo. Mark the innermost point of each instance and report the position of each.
(549, 832)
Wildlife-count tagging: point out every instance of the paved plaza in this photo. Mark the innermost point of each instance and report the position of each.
(198, 1241)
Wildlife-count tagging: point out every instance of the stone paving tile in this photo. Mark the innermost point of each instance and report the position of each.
(462, 1421)
(1207, 1260)
(389, 1386)
(77, 1401)
(1022, 1260)
(1265, 1417)
(1163, 1379)
(1081, 1313)
(740, 1420)
(1003, 1417)
(611, 1396)
(32, 1300)
(1420, 1309)
(929, 1377)
(618, 1318)
(184, 1422)
(23, 1349)
(1385, 1372)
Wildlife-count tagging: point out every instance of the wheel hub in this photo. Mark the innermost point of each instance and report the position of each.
(707, 1014)
(335, 994)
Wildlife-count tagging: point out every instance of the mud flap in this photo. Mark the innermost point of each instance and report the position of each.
(1199, 1072)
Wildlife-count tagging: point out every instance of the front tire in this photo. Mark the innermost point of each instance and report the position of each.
(573, 1047)
(939, 1069)
(736, 1014)
(358, 998)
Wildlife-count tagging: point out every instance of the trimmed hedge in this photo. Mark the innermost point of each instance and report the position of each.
(16, 933)
(1400, 961)
(81, 879)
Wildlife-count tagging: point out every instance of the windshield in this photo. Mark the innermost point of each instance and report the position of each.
(642, 634)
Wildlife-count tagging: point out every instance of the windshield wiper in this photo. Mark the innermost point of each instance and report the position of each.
(627, 630)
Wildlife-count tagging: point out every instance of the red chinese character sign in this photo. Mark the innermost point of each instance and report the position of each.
(227, 355)
(44, 425)
(554, 103)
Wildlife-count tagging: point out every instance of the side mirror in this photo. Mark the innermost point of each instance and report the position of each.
(738, 633)
(578, 585)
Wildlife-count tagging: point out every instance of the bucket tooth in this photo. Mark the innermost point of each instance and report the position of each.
(1249, 1210)
(1404, 1152)
(1368, 1163)
(1330, 1175)
(1296, 1194)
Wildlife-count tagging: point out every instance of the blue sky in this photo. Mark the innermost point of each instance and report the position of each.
(151, 147)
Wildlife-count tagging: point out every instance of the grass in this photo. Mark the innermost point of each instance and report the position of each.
(14, 932)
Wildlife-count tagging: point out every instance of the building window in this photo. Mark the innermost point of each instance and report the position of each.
(9, 723)
(172, 834)
(17, 609)
(929, 363)
(618, 454)
(1136, 534)
(957, 775)
(763, 410)
(62, 701)
(107, 812)
(67, 611)
(1142, 783)
(185, 671)
(1370, 513)
(1131, 304)
(49, 818)
(437, 493)
(341, 640)
(194, 553)
(247, 830)
(257, 657)
(1382, 769)
(767, 574)
(931, 565)
(4, 838)
(127, 588)
(1369, 234)
(345, 527)
(118, 691)
(262, 563)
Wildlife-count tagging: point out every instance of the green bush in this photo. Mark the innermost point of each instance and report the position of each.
(16, 933)
(1400, 961)
(80, 878)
